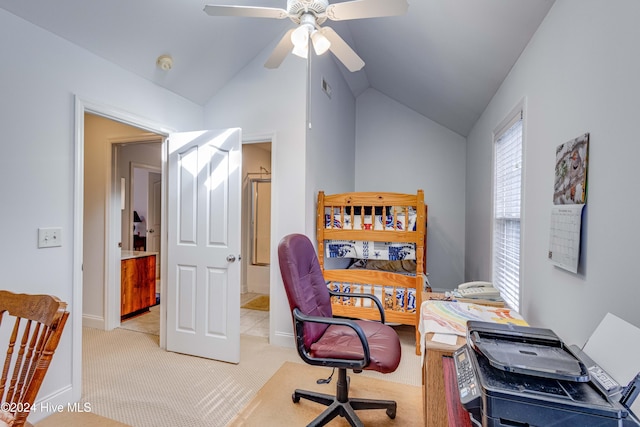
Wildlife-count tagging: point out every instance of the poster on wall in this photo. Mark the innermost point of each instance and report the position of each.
(569, 198)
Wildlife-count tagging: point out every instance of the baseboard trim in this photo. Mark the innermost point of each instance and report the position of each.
(58, 401)
(283, 339)
(91, 321)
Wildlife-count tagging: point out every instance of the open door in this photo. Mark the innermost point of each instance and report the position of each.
(203, 244)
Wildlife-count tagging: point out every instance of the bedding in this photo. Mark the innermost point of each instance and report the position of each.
(346, 222)
(405, 267)
(384, 293)
(370, 250)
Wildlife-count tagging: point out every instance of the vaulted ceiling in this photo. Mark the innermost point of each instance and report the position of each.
(444, 59)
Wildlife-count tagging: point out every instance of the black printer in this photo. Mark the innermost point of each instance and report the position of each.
(512, 375)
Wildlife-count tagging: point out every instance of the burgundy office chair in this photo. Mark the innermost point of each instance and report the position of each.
(324, 340)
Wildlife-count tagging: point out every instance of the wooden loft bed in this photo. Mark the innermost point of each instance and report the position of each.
(385, 236)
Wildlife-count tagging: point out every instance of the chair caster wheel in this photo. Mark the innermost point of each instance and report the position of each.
(391, 413)
(295, 398)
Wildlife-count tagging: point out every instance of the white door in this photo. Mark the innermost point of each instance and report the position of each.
(154, 216)
(203, 283)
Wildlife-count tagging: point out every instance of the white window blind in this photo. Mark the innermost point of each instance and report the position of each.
(506, 227)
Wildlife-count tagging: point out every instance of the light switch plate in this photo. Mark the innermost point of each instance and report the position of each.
(49, 237)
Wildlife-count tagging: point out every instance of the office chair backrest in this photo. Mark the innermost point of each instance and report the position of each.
(34, 324)
(304, 283)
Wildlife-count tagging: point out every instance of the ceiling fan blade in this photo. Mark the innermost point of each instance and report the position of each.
(342, 50)
(282, 49)
(247, 11)
(358, 9)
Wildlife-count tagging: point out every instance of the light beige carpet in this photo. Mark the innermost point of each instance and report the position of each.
(259, 303)
(128, 378)
(80, 419)
(273, 405)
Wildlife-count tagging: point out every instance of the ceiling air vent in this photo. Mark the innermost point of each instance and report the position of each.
(326, 88)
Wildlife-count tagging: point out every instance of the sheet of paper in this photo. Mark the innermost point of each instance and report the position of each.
(615, 346)
(445, 339)
(564, 240)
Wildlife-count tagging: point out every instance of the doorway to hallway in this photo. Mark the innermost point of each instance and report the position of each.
(256, 240)
(117, 208)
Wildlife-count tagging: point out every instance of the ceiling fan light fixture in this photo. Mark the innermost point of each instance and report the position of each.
(300, 37)
(309, 15)
(301, 51)
(320, 43)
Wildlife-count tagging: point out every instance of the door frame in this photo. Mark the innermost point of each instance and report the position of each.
(83, 106)
(153, 215)
(148, 168)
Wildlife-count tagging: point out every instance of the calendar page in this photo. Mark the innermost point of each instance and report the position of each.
(564, 242)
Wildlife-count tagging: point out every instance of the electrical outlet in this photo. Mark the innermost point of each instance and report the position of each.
(49, 237)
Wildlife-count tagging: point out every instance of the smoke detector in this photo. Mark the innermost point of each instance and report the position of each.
(164, 62)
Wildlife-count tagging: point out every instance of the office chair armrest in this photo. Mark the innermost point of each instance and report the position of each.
(375, 299)
(299, 320)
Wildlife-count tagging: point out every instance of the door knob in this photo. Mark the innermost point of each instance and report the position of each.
(151, 231)
(231, 258)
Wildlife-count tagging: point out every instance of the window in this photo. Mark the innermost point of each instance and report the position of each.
(506, 212)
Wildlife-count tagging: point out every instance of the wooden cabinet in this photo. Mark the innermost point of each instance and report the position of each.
(138, 283)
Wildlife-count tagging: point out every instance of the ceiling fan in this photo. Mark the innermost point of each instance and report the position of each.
(309, 15)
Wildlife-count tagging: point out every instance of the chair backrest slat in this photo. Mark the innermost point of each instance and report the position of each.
(39, 321)
(18, 365)
(9, 357)
(30, 356)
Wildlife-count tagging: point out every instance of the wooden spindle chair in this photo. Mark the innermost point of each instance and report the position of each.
(34, 324)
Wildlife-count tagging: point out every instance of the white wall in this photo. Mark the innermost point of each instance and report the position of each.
(40, 75)
(331, 137)
(578, 74)
(399, 150)
(330, 140)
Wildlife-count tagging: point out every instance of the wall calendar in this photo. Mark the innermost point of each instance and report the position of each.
(569, 198)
